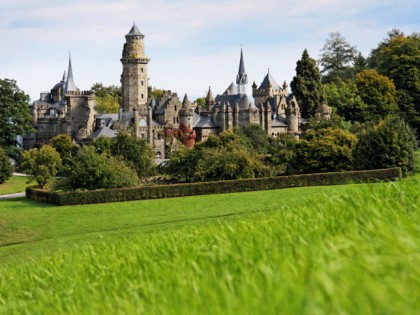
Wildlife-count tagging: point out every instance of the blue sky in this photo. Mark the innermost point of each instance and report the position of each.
(192, 44)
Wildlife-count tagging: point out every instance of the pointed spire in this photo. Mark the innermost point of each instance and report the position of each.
(209, 97)
(70, 85)
(186, 103)
(241, 64)
(285, 84)
(241, 78)
(64, 76)
(134, 31)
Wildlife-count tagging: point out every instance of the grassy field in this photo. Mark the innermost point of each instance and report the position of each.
(357, 253)
(14, 184)
(351, 249)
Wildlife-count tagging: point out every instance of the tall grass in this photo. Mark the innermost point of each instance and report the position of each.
(357, 254)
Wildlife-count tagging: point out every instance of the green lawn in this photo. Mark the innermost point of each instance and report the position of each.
(14, 184)
(317, 250)
(350, 249)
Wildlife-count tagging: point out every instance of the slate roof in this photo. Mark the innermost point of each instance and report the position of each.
(205, 122)
(134, 31)
(104, 132)
(70, 85)
(243, 100)
(269, 78)
(279, 121)
(231, 90)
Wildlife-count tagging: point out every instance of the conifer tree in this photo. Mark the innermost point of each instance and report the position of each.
(306, 85)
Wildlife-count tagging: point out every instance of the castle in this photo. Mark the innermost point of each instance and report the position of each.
(66, 109)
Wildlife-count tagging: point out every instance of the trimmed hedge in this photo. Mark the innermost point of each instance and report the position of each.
(205, 188)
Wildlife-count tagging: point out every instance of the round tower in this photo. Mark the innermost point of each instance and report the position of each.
(134, 75)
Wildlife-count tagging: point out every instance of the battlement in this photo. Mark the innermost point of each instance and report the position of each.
(80, 93)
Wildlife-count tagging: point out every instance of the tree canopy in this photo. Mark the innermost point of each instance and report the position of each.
(108, 98)
(306, 85)
(15, 118)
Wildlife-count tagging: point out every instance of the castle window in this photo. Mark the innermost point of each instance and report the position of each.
(141, 69)
(174, 120)
(142, 96)
(141, 82)
(175, 107)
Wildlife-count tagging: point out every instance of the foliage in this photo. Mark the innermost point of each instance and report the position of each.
(211, 187)
(201, 101)
(91, 170)
(102, 145)
(281, 153)
(390, 143)
(182, 164)
(378, 92)
(335, 121)
(306, 85)
(108, 98)
(15, 118)
(345, 98)
(337, 57)
(6, 168)
(398, 57)
(324, 150)
(136, 153)
(65, 146)
(42, 164)
(255, 137)
(155, 93)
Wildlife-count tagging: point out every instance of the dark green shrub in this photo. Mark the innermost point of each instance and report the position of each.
(391, 143)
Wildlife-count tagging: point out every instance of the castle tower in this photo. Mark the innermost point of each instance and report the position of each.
(242, 77)
(134, 75)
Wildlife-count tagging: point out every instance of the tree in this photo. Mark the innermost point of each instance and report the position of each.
(6, 168)
(255, 137)
(378, 92)
(336, 59)
(91, 170)
(280, 153)
(306, 85)
(42, 164)
(344, 96)
(102, 145)
(108, 98)
(65, 146)
(136, 153)
(15, 118)
(398, 57)
(183, 163)
(390, 143)
(201, 101)
(324, 150)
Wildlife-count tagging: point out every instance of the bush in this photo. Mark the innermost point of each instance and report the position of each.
(204, 188)
(391, 143)
(6, 168)
(42, 164)
(91, 170)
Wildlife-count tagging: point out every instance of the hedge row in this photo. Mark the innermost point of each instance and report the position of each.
(204, 188)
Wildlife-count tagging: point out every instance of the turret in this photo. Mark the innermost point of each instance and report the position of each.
(209, 99)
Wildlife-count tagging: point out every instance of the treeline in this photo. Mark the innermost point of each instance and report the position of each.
(362, 89)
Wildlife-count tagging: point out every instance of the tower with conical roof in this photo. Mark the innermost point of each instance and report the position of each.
(241, 77)
(134, 75)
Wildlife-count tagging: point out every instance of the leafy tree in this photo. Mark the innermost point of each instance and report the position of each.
(15, 118)
(91, 170)
(155, 93)
(337, 58)
(136, 153)
(183, 163)
(201, 101)
(378, 92)
(102, 145)
(281, 152)
(42, 164)
(335, 121)
(6, 168)
(324, 150)
(306, 85)
(398, 57)
(390, 143)
(345, 98)
(108, 98)
(255, 137)
(65, 146)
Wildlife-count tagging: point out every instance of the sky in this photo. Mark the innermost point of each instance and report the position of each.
(192, 44)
